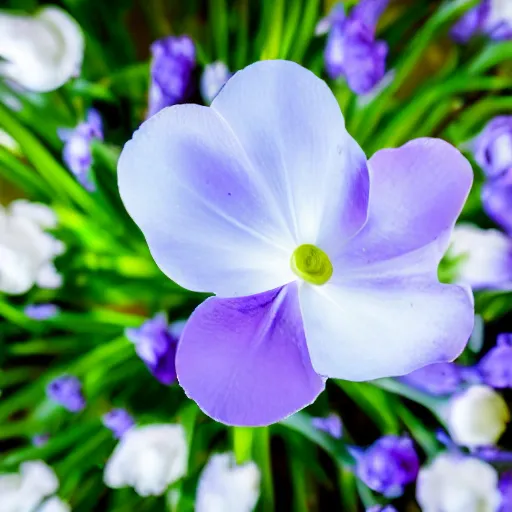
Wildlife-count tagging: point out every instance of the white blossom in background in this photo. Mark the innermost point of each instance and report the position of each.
(225, 486)
(455, 483)
(54, 504)
(24, 491)
(26, 249)
(478, 416)
(8, 142)
(148, 458)
(214, 76)
(40, 52)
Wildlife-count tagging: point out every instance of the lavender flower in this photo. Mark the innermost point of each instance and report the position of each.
(77, 153)
(66, 391)
(497, 198)
(156, 343)
(380, 508)
(496, 366)
(330, 424)
(505, 488)
(174, 59)
(436, 379)
(352, 50)
(214, 77)
(40, 439)
(388, 465)
(41, 311)
(268, 207)
(471, 22)
(118, 421)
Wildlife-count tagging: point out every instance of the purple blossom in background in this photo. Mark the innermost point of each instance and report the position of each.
(496, 366)
(77, 153)
(118, 421)
(269, 207)
(505, 488)
(41, 311)
(388, 465)
(66, 391)
(352, 50)
(436, 379)
(331, 425)
(381, 508)
(172, 64)
(490, 17)
(40, 439)
(214, 77)
(497, 200)
(156, 343)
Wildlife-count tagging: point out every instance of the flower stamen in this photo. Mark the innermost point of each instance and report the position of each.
(311, 264)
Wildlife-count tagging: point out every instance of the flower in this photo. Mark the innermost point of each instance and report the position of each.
(54, 504)
(148, 458)
(26, 249)
(477, 416)
(331, 424)
(156, 343)
(214, 76)
(40, 439)
(379, 508)
(497, 198)
(352, 50)
(436, 379)
(496, 366)
(268, 206)
(491, 17)
(225, 485)
(173, 62)
(40, 52)
(66, 391)
(24, 491)
(41, 311)
(388, 465)
(119, 421)
(484, 257)
(505, 487)
(77, 152)
(454, 483)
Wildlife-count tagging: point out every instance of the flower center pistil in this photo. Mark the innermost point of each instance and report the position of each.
(311, 264)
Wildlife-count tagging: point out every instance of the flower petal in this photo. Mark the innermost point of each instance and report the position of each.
(417, 192)
(206, 214)
(291, 127)
(384, 329)
(245, 361)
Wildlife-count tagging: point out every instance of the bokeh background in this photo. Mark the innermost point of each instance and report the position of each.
(84, 265)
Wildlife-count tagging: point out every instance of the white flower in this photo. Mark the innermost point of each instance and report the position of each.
(225, 486)
(40, 52)
(454, 483)
(214, 76)
(148, 458)
(478, 416)
(500, 13)
(54, 504)
(26, 250)
(8, 142)
(484, 257)
(24, 491)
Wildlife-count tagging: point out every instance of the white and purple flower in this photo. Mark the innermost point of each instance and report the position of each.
(323, 264)
(214, 76)
(436, 379)
(77, 153)
(174, 60)
(156, 343)
(352, 50)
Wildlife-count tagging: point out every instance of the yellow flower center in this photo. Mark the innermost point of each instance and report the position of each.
(311, 264)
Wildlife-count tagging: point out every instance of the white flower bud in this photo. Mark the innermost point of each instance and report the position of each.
(478, 416)
(455, 483)
(148, 458)
(224, 485)
(40, 52)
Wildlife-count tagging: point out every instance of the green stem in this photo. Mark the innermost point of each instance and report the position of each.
(219, 22)
(262, 453)
(348, 489)
(243, 438)
(271, 49)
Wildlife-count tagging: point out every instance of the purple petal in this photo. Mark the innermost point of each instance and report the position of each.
(245, 362)
(436, 379)
(496, 366)
(385, 327)
(497, 199)
(471, 22)
(369, 12)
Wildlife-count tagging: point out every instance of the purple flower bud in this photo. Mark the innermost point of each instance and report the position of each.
(66, 391)
(505, 488)
(471, 22)
(436, 379)
(156, 343)
(496, 366)
(40, 439)
(41, 311)
(388, 465)
(497, 198)
(330, 424)
(380, 508)
(352, 50)
(77, 153)
(214, 77)
(118, 421)
(174, 59)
